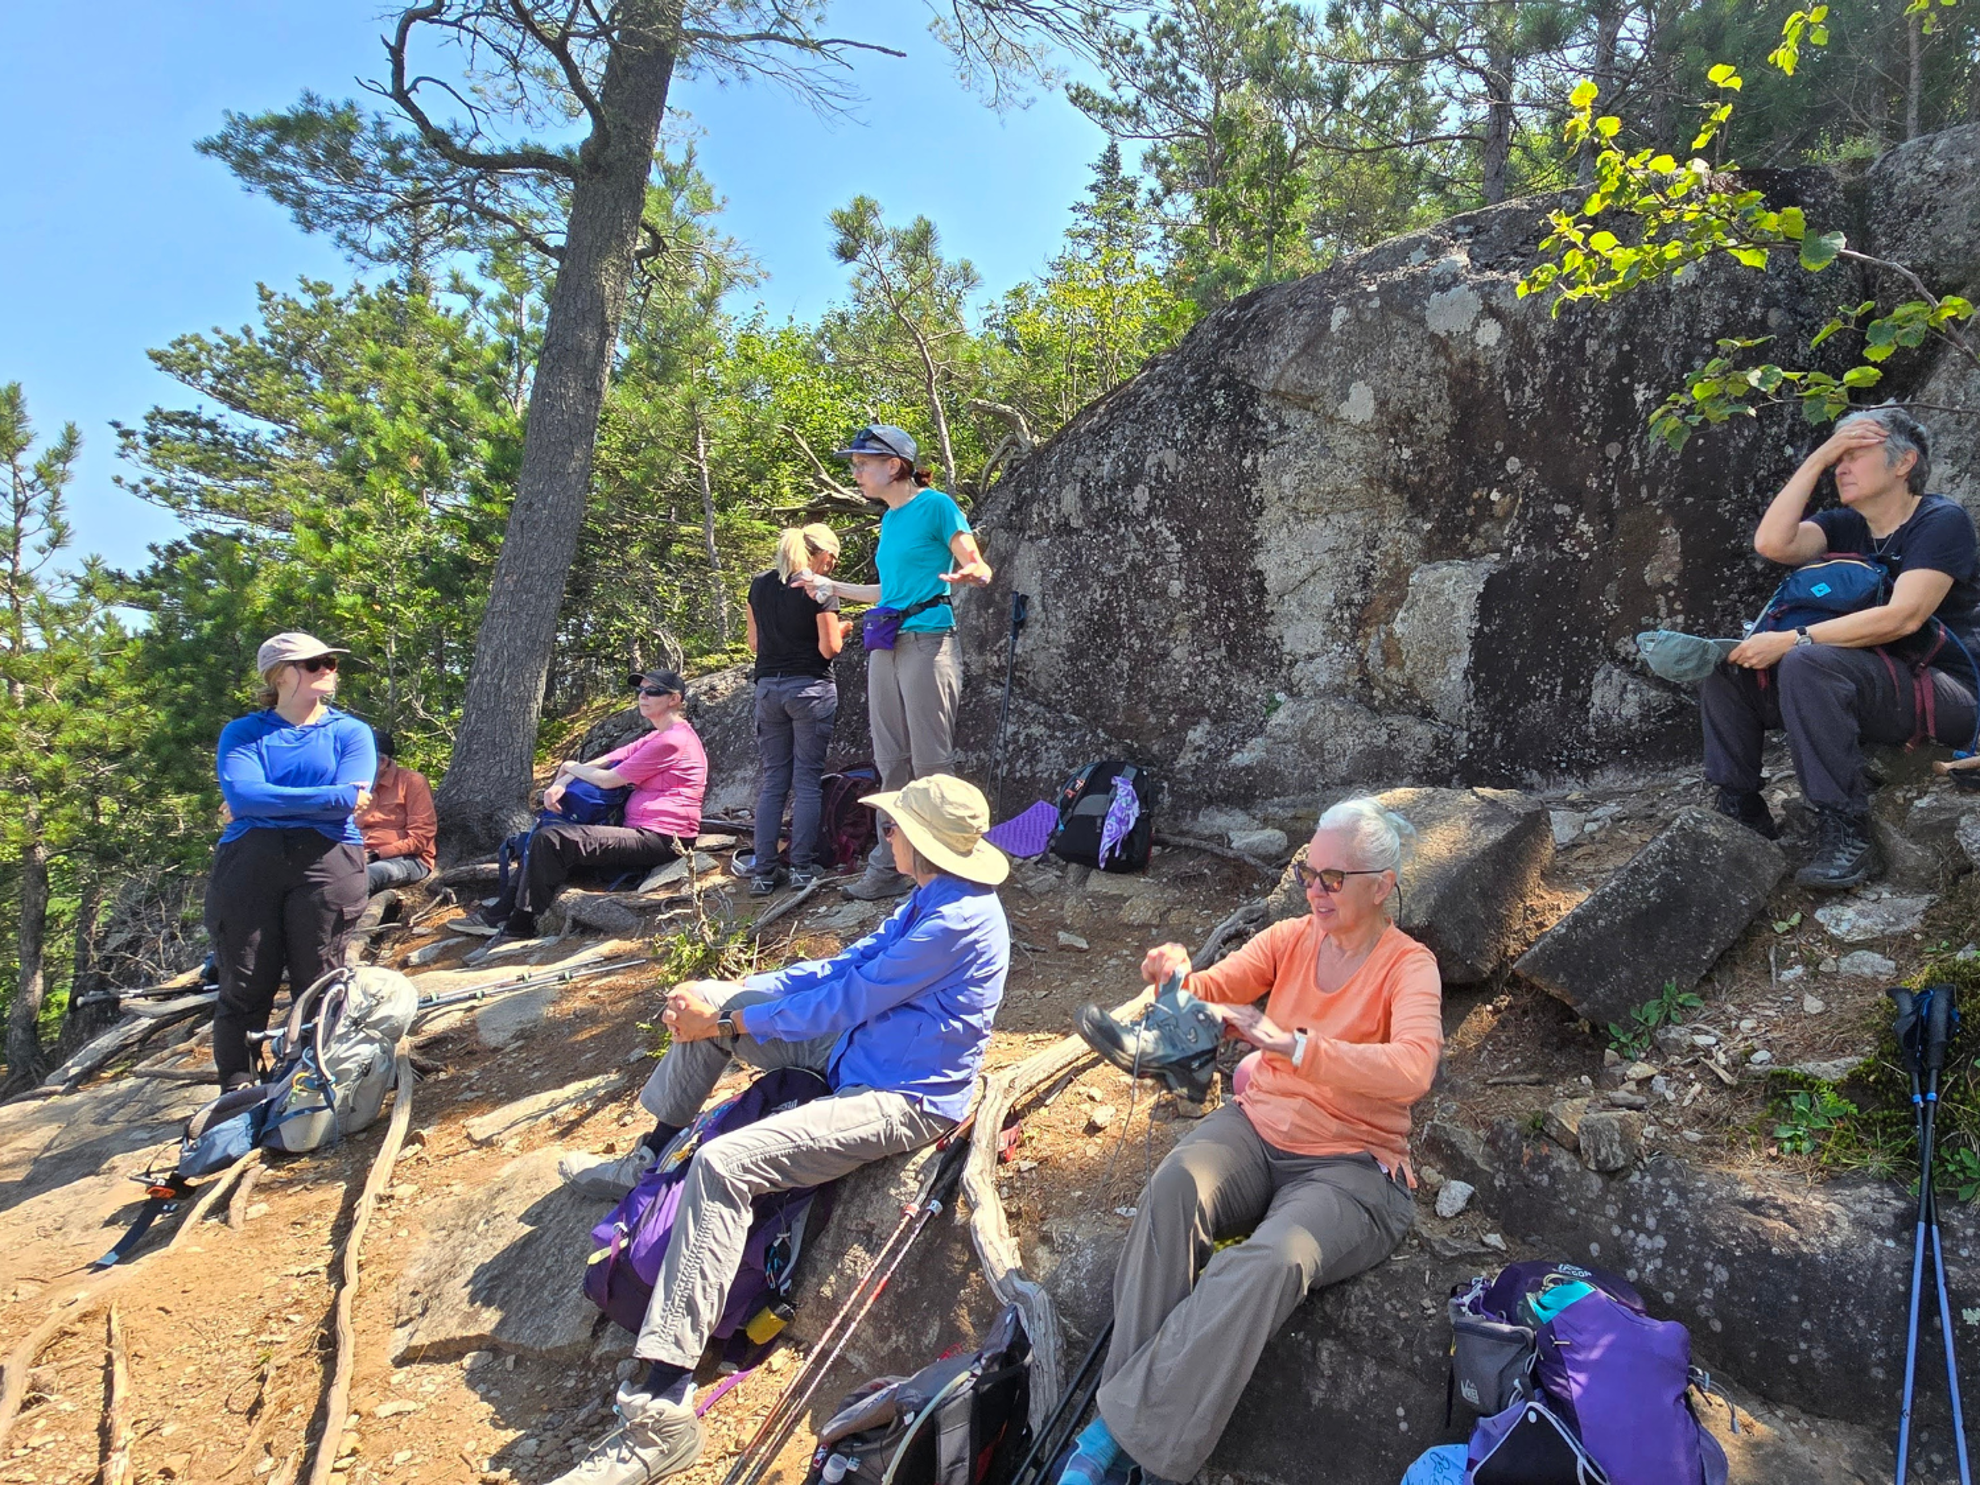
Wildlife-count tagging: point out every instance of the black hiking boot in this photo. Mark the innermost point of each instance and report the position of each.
(1844, 853)
(1747, 807)
(1175, 1040)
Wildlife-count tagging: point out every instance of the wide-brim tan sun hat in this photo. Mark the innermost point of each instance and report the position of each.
(944, 818)
(291, 644)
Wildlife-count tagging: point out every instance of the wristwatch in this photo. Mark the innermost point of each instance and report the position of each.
(726, 1024)
(1299, 1048)
(1801, 636)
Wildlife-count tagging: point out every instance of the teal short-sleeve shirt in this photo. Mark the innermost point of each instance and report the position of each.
(914, 553)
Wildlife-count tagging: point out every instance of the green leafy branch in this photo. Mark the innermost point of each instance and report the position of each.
(1681, 213)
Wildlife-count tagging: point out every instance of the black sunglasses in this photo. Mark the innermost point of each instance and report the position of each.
(657, 691)
(887, 829)
(1330, 878)
(321, 662)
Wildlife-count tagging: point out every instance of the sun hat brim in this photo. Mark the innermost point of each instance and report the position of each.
(984, 864)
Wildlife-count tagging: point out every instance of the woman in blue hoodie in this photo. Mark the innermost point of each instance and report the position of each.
(288, 876)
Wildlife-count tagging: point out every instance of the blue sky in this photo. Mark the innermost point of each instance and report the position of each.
(115, 236)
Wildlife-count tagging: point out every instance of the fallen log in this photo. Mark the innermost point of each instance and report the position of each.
(990, 1233)
(117, 1412)
(137, 1025)
(338, 1401)
(616, 913)
(1212, 848)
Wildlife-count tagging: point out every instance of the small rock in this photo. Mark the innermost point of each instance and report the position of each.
(256, 1209)
(1639, 1072)
(1792, 973)
(1660, 1087)
(427, 953)
(1493, 1241)
(1453, 1198)
(1266, 844)
(527, 1448)
(1814, 1004)
(397, 1408)
(1672, 1040)
(1693, 1136)
(1073, 941)
(1605, 1146)
(1833, 1071)
(1867, 964)
(1749, 1025)
(1562, 1122)
(1566, 825)
(1760, 1057)
(1430, 1176)
(1624, 1100)
(1863, 918)
(1099, 1117)
(1611, 1057)
(1704, 1039)
(1827, 966)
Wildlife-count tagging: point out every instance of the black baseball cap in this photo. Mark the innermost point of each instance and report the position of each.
(667, 680)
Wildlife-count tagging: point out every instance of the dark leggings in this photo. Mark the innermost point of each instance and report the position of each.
(278, 900)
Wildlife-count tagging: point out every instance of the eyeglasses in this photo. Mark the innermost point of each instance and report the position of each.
(887, 829)
(1330, 878)
(321, 662)
(657, 691)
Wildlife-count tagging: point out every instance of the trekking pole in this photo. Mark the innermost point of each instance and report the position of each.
(775, 1430)
(1941, 1019)
(526, 981)
(1065, 1416)
(1909, 1035)
(1020, 611)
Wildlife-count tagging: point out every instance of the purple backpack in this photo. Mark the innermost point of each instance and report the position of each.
(1600, 1395)
(630, 1243)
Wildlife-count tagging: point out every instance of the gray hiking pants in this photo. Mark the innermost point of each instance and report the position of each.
(805, 1146)
(1184, 1346)
(794, 715)
(1830, 701)
(912, 692)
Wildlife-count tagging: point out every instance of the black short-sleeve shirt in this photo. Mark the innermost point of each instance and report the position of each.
(1939, 537)
(787, 628)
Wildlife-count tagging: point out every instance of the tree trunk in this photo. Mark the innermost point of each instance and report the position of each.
(1914, 87)
(1496, 152)
(23, 1022)
(481, 799)
(708, 524)
(1608, 35)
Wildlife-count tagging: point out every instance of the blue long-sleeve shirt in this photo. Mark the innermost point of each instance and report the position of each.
(275, 775)
(912, 1002)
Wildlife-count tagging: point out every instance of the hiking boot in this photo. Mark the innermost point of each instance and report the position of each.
(1175, 1040)
(604, 1178)
(764, 886)
(1844, 853)
(804, 876)
(879, 883)
(1747, 807)
(655, 1438)
(477, 923)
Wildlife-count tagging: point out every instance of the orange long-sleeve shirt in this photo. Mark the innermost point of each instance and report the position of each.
(1372, 1045)
(400, 821)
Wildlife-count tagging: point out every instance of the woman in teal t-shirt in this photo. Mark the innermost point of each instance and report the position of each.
(912, 689)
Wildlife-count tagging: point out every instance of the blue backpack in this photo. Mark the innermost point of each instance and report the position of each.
(1840, 583)
(583, 803)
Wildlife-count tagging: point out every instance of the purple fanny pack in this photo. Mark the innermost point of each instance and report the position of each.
(882, 625)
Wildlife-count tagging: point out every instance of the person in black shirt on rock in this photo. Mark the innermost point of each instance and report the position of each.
(794, 639)
(1849, 680)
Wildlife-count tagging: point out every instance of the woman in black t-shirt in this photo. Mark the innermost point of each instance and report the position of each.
(794, 638)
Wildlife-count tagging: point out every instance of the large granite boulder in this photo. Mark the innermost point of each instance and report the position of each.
(1479, 854)
(1393, 524)
(1662, 919)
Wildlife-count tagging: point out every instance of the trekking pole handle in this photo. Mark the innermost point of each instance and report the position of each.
(1907, 1029)
(1020, 612)
(1938, 1028)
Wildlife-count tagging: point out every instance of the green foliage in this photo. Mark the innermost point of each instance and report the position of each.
(1669, 1008)
(1809, 1115)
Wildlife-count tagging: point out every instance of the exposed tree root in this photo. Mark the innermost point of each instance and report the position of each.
(117, 1411)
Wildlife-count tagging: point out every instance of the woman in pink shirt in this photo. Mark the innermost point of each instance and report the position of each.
(667, 771)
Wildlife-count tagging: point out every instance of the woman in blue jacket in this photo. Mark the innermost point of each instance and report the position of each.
(288, 876)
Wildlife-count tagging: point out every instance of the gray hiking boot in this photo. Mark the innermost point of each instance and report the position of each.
(655, 1438)
(1175, 1040)
(879, 883)
(607, 1177)
(1845, 856)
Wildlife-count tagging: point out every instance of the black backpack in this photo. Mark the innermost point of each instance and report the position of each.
(1084, 800)
(962, 1420)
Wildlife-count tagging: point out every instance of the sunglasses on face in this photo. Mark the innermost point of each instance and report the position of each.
(887, 829)
(656, 691)
(320, 663)
(1330, 878)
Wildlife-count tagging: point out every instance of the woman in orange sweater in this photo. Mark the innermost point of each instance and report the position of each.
(1312, 1158)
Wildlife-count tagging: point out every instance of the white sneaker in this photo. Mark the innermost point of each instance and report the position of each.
(655, 1438)
(604, 1177)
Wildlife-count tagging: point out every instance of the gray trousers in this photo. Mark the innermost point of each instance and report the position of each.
(1184, 1346)
(794, 716)
(1830, 701)
(395, 871)
(912, 692)
(805, 1146)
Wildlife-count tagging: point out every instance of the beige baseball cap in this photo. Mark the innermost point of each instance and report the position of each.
(291, 644)
(945, 818)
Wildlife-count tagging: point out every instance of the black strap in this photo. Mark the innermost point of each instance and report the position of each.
(940, 600)
(164, 1196)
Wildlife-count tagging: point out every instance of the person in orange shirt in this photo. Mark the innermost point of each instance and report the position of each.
(1312, 1158)
(399, 827)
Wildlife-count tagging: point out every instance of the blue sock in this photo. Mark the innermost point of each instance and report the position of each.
(673, 1383)
(1094, 1453)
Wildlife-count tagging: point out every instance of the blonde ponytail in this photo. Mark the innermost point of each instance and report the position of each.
(795, 546)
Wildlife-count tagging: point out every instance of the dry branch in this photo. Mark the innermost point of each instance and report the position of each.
(14, 1371)
(117, 1412)
(996, 1249)
(1212, 848)
(338, 1404)
(783, 909)
(1245, 920)
(137, 1025)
